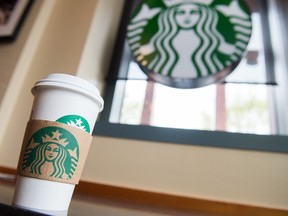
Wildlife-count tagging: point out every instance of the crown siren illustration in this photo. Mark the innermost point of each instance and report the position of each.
(170, 3)
(189, 43)
(52, 152)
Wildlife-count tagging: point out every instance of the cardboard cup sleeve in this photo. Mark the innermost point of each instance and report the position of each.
(53, 151)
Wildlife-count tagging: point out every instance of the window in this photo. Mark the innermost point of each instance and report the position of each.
(240, 104)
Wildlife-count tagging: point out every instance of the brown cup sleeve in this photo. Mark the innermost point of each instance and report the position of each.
(53, 151)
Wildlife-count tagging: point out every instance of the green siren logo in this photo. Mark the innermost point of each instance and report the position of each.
(76, 121)
(189, 38)
(52, 152)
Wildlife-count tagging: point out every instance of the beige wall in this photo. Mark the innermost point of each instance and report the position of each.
(54, 44)
(10, 51)
(82, 45)
(219, 174)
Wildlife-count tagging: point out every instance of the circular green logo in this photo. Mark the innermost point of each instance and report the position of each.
(180, 40)
(76, 121)
(51, 152)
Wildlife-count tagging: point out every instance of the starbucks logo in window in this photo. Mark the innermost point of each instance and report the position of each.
(189, 43)
(51, 152)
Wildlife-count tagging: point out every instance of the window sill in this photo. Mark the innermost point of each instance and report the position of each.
(268, 143)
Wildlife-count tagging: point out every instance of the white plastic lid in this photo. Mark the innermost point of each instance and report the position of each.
(71, 82)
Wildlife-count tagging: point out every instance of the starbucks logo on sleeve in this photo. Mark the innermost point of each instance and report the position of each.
(189, 43)
(51, 153)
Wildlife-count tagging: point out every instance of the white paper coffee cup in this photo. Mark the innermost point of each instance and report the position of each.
(49, 158)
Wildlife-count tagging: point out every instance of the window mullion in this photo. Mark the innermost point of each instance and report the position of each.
(220, 107)
(148, 101)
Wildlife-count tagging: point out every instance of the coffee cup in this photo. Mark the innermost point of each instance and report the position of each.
(56, 142)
